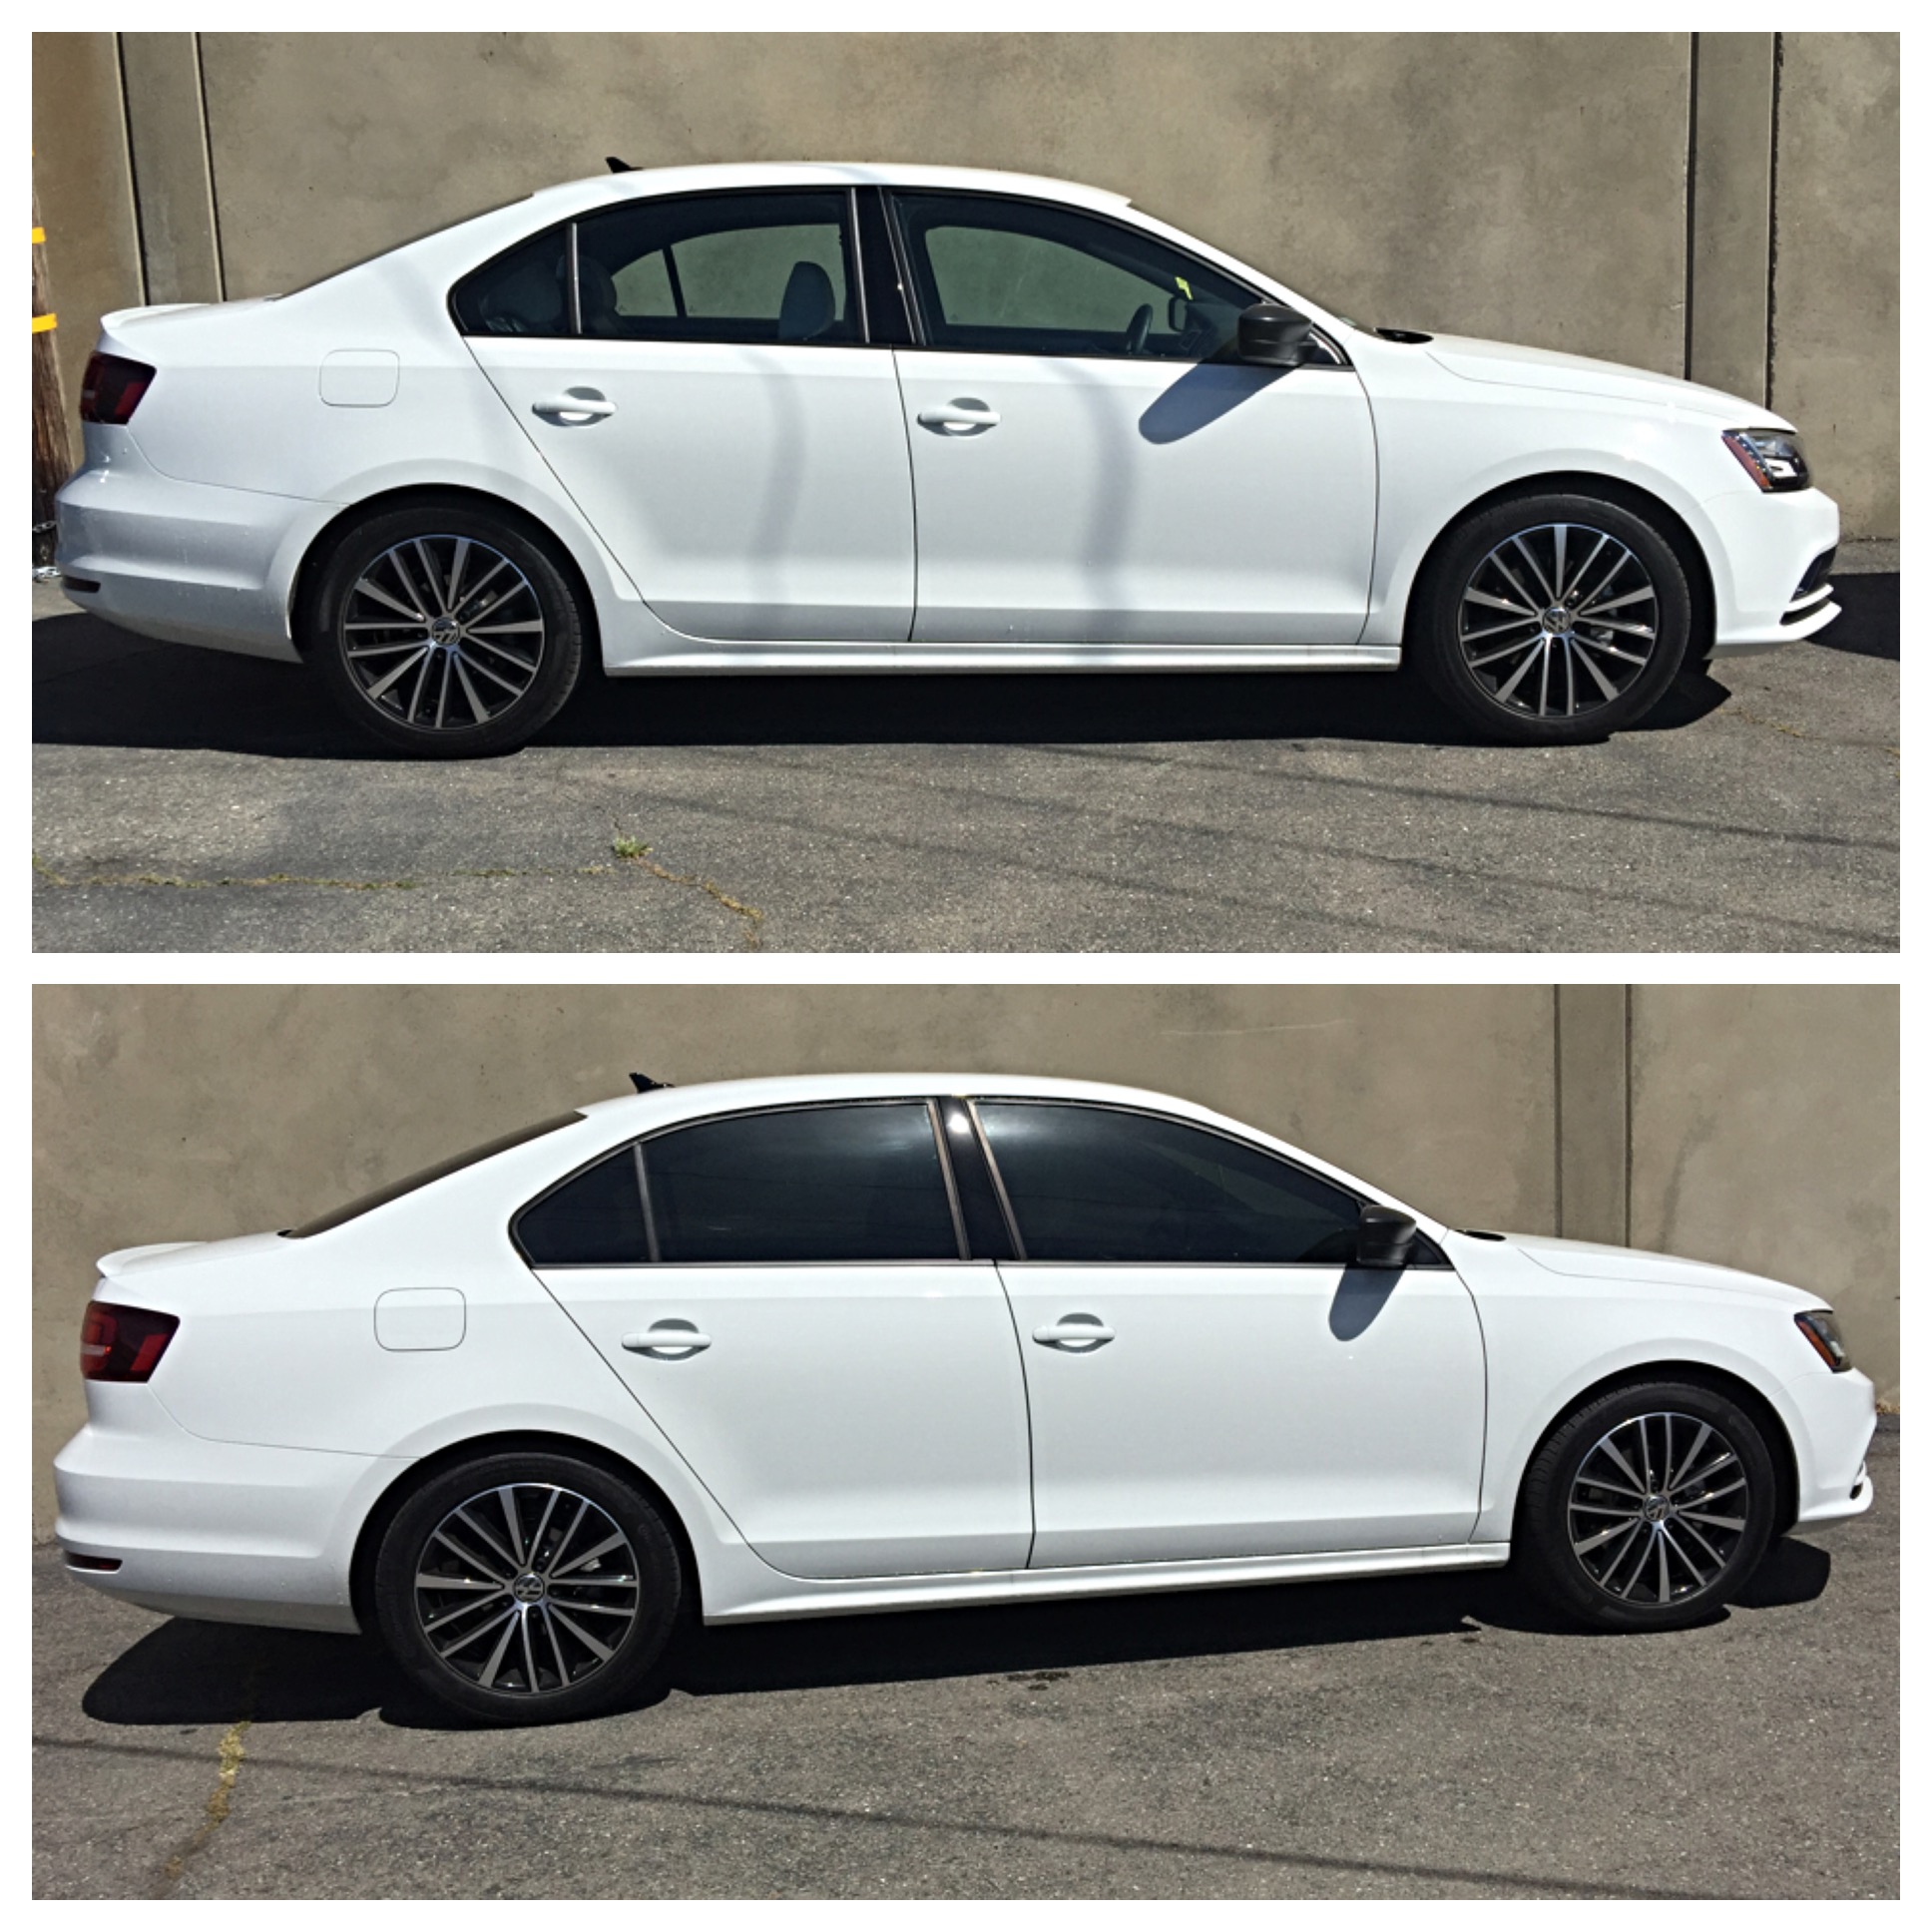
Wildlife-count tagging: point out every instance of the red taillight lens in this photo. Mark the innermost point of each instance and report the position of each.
(123, 1344)
(112, 388)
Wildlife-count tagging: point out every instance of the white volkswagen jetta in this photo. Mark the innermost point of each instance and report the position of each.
(787, 1347)
(856, 418)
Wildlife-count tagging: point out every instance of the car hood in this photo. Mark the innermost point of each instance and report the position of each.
(1595, 1262)
(1476, 360)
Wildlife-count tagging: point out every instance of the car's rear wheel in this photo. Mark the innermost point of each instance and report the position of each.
(1647, 1507)
(445, 630)
(1552, 620)
(524, 1588)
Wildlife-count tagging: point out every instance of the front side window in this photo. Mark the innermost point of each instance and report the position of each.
(1091, 1183)
(826, 1184)
(1032, 278)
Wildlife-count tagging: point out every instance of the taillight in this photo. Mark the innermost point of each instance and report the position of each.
(112, 388)
(123, 1344)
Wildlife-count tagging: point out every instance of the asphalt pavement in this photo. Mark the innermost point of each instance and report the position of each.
(189, 800)
(1423, 1737)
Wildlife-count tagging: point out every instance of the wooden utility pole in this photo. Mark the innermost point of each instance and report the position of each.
(53, 452)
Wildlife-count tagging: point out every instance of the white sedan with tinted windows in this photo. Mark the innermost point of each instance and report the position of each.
(784, 418)
(799, 1346)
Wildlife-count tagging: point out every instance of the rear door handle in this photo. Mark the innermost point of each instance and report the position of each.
(577, 405)
(965, 413)
(667, 1337)
(1074, 1330)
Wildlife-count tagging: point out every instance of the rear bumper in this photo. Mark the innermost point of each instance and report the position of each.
(185, 562)
(1765, 545)
(231, 1531)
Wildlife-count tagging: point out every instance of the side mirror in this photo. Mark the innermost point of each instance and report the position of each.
(1180, 314)
(1383, 1237)
(1273, 333)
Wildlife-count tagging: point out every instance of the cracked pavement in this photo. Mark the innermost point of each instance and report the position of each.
(190, 800)
(1422, 1736)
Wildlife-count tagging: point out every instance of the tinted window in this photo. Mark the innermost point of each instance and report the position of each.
(524, 292)
(720, 269)
(1096, 1184)
(595, 1219)
(1028, 279)
(832, 1184)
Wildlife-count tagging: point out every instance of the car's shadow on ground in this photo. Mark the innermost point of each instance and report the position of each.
(97, 685)
(188, 1672)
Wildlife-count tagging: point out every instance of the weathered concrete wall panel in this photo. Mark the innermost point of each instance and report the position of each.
(86, 194)
(1835, 322)
(1764, 1134)
(1523, 186)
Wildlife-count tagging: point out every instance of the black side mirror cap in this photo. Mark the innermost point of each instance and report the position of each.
(1275, 334)
(1384, 1236)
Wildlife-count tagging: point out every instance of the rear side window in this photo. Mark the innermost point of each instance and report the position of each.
(524, 292)
(1091, 1183)
(830, 1183)
(720, 269)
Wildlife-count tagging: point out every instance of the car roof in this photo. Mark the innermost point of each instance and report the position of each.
(637, 182)
(784, 1090)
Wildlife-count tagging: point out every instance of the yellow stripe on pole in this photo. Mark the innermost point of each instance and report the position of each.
(40, 236)
(42, 323)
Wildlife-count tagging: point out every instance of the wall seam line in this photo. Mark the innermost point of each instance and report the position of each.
(1691, 211)
(208, 161)
(134, 177)
(1770, 263)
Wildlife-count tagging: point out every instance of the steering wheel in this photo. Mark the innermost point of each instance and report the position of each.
(1135, 343)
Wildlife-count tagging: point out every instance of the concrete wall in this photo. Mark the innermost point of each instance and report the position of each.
(1752, 1126)
(1545, 189)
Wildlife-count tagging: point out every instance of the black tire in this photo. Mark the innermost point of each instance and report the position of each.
(420, 682)
(1573, 1493)
(1583, 658)
(551, 1610)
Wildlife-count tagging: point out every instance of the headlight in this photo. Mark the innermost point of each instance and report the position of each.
(1820, 1329)
(1774, 459)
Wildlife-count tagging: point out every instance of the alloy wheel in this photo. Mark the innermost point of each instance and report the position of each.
(1558, 620)
(1658, 1508)
(527, 1588)
(442, 632)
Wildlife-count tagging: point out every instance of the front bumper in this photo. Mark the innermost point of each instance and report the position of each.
(1763, 547)
(231, 1531)
(186, 562)
(1838, 1415)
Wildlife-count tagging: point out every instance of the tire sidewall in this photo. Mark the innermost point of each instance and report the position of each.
(557, 677)
(1439, 648)
(661, 1587)
(1543, 1535)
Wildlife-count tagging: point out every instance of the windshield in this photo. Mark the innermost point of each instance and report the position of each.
(395, 1189)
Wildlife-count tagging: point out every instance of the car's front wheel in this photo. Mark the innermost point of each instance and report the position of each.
(446, 631)
(1647, 1507)
(527, 1588)
(1552, 620)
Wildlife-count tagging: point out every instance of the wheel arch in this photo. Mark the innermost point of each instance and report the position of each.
(1690, 552)
(383, 1511)
(314, 564)
(1753, 1400)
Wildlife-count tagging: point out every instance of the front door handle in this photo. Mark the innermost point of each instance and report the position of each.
(667, 1337)
(961, 416)
(1083, 1332)
(574, 406)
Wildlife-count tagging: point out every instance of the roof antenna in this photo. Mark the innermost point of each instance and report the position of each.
(646, 1085)
(618, 166)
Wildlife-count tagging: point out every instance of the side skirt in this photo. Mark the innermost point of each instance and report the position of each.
(711, 659)
(847, 1597)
